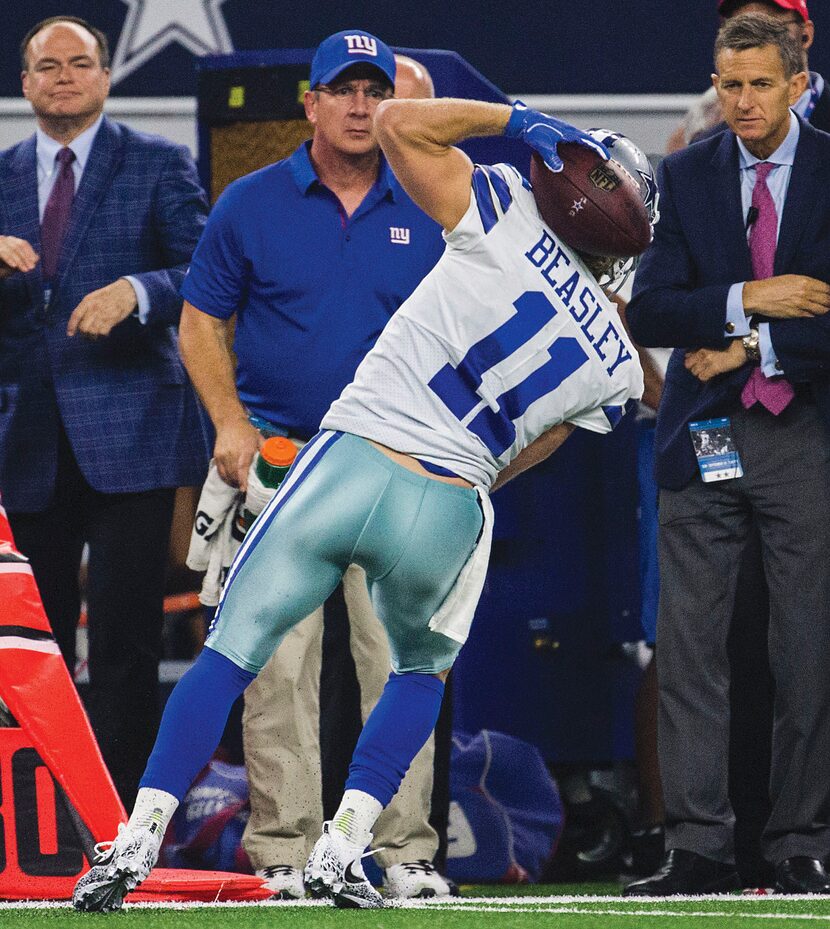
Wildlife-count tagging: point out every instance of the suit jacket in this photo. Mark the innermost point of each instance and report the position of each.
(125, 401)
(820, 118)
(699, 250)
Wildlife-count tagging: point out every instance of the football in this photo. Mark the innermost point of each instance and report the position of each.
(594, 206)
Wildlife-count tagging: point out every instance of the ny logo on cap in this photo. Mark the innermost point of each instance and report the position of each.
(361, 45)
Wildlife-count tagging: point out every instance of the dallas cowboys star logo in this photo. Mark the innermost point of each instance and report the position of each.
(152, 25)
(651, 192)
(577, 206)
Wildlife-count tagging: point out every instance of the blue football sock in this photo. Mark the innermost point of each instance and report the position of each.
(193, 722)
(394, 733)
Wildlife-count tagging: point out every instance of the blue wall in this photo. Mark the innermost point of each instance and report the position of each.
(559, 46)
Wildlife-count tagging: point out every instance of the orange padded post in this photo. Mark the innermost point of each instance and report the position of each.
(40, 852)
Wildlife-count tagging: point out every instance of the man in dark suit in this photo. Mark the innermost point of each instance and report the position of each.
(98, 423)
(736, 280)
(752, 687)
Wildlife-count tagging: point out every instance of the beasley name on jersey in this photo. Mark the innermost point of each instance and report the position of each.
(507, 336)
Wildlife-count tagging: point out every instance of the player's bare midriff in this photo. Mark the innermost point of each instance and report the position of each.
(411, 464)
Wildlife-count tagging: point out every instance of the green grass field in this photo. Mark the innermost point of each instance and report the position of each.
(564, 907)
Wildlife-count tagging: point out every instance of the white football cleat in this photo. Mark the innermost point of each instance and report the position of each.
(334, 870)
(284, 882)
(119, 867)
(417, 879)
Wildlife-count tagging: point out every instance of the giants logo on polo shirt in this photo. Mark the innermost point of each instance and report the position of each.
(361, 45)
(399, 235)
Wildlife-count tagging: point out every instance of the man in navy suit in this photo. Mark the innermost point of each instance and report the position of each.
(737, 279)
(98, 422)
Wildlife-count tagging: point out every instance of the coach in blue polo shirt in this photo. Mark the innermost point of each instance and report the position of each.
(311, 255)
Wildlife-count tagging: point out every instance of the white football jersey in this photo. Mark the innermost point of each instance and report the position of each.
(508, 335)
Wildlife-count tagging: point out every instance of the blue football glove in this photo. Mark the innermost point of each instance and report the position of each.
(544, 133)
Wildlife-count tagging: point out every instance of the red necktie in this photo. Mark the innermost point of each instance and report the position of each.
(774, 393)
(56, 215)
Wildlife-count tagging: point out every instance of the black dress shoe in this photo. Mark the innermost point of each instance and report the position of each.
(686, 873)
(801, 875)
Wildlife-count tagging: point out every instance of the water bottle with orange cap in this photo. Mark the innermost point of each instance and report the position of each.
(266, 474)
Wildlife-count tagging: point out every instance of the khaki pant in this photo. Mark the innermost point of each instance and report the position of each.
(281, 731)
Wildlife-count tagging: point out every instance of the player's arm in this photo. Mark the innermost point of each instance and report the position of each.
(653, 380)
(537, 451)
(418, 138)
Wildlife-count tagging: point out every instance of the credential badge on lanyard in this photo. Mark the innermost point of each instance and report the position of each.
(717, 456)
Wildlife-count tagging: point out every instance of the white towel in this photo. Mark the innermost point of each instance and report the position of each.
(224, 544)
(215, 539)
(215, 500)
(455, 615)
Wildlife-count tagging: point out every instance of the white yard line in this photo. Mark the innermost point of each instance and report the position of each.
(537, 905)
(575, 911)
(609, 898)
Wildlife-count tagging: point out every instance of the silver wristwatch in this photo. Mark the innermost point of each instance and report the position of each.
(752, 345)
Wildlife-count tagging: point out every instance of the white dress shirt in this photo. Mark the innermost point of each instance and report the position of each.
(778, 182)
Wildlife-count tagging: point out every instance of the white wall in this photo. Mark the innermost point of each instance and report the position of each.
(649, 120)
(174, 117)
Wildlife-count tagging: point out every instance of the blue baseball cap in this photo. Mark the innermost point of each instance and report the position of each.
(349, 47)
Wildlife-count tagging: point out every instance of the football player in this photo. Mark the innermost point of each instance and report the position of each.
(506, 346)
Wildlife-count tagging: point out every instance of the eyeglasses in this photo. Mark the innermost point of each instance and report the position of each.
(374, 93)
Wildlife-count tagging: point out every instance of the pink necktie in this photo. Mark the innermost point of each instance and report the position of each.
(774, 393)
(56, 215)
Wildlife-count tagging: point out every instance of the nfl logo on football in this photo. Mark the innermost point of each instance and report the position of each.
(604, 178)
